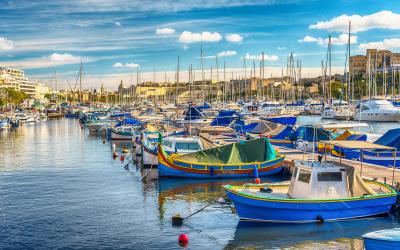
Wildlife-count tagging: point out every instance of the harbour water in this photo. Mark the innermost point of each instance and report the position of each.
(60, 188)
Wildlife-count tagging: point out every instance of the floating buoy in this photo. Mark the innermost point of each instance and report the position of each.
(183, 240)
(257, 180)
(104, 141)
(122, 158)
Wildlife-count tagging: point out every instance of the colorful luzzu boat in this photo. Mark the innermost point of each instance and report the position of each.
(242, 159)
(318, 191)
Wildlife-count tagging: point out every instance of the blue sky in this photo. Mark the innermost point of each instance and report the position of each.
(112, 38)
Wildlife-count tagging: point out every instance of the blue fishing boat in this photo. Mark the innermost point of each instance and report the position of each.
(382, 239)
(229, 161)
(318, 191)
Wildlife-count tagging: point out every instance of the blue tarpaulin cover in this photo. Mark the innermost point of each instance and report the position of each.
(225, 118)
(193, 113)
(311, 134)
(390, 139)
(285, 120)
(128, 121)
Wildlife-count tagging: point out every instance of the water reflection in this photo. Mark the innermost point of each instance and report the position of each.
(57, 178)
(343, 234)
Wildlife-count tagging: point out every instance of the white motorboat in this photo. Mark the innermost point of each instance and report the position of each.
(377, 110)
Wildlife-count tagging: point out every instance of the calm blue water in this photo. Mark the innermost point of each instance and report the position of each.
(60, 188)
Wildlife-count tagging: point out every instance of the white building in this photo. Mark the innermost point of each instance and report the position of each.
(15, 78)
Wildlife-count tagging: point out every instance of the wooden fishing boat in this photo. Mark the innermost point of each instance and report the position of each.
(382, 239)
(318, 191)
(242, 159)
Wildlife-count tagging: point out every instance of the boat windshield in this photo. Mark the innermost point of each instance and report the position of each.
(187, 146)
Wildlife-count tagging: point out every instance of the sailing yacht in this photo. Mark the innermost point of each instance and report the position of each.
(377, 110)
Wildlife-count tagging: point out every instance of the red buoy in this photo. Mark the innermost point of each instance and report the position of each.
(122, 158)
(257, 180)
(183, 240)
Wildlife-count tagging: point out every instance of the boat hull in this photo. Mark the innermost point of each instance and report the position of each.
(150, 157)
(167, 168)
(117, 136)
(373, 244)
(306, 212)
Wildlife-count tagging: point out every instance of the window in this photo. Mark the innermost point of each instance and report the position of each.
(304, 176)
(187, 146)
(295, 173)
(330, 176)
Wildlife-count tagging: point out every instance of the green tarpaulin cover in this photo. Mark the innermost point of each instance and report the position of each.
(257, 150)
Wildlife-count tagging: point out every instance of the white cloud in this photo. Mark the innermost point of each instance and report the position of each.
(207, 57)
(234, 38)
(49, 61)
(165, 31)
(118, 23)
(280, 48)
(6, 44)
(227, 53)
(379, 20)
(392, 43)
(125, 65)
(64, 58)
(340, 40)
(259, 57)
(205, 36)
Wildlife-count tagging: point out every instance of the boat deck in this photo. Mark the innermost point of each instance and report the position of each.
(369, 171)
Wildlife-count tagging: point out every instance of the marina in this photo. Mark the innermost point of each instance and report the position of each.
(54, 185)
(202, 124)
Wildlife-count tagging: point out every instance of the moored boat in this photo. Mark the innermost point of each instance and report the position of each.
(317, 192)
(228, 161)
(382, 239)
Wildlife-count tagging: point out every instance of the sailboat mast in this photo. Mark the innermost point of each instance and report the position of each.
(224, 82)
(80, 82)
(177, 83)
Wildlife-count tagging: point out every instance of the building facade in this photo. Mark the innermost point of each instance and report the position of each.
(374, 61)
(15, 78)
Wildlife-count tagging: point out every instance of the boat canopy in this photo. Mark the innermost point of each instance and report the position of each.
(235, 153)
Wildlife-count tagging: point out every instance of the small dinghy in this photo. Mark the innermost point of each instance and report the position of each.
(382, 239)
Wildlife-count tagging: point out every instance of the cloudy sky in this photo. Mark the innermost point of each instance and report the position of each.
(113, 38)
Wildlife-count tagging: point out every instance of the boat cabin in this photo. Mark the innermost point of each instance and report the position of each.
(312, 179)
(181, 145)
